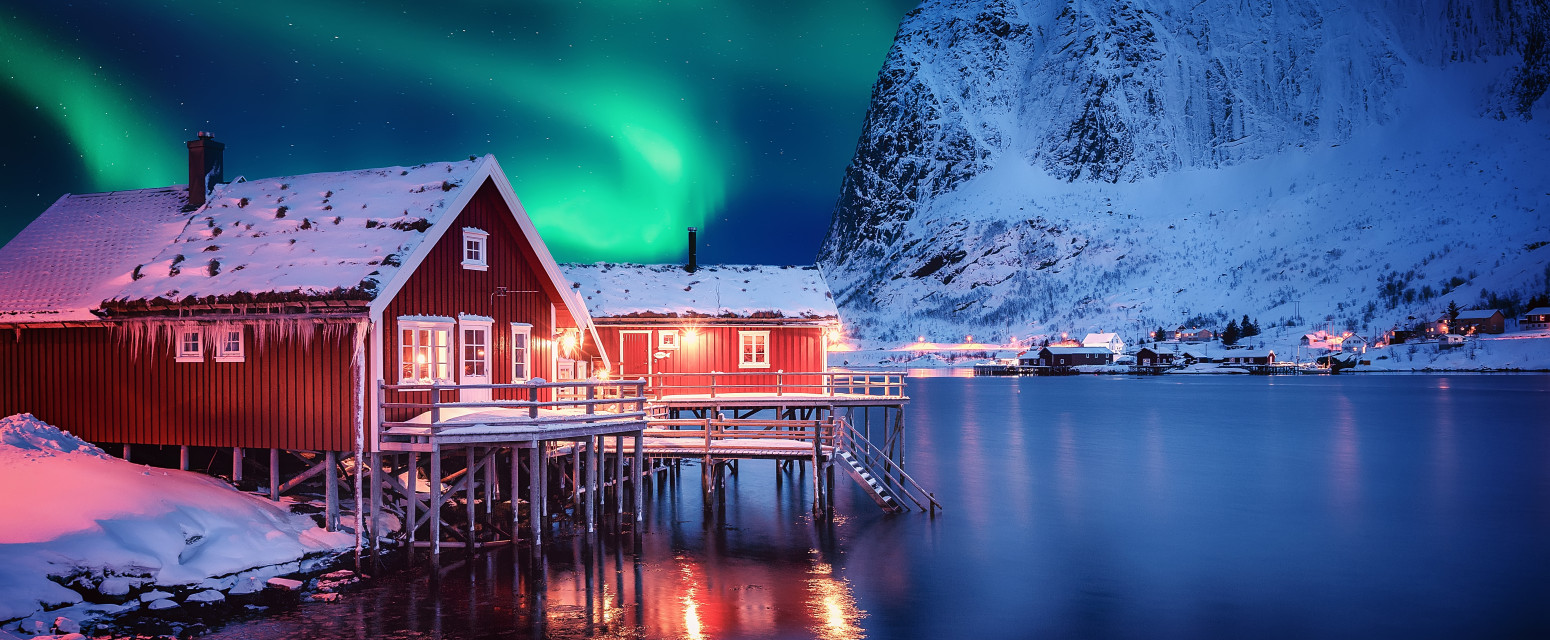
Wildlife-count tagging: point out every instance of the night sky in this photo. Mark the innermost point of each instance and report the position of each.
(619, 123)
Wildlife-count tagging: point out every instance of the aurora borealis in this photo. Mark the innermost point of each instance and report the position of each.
(619, 122)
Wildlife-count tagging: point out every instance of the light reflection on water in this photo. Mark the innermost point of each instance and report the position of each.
(1333, 506)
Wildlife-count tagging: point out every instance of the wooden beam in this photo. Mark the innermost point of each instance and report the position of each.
(331, 489)
(435, 501)
(274, 474)
(638, 477)
(537, 469)
(412, 495)
(236, 466)
(376, 499)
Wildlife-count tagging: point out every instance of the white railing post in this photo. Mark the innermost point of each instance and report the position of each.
(780, 382)
(532, 398)
(435, 405)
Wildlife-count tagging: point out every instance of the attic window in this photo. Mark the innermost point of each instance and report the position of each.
(190, 345)
(476, 249)
(229, 349)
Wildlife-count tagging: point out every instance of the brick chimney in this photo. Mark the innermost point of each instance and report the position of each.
(204, 167)
(694, 263)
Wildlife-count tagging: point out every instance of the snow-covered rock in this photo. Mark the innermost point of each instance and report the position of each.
(95, 523)
(1035, 166)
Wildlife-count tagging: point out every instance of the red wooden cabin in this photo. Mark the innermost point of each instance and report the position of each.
(753, 326)
(262, 313)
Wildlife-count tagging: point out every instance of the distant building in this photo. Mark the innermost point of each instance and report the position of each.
(1149, 357)
(1195, 334)
(1536, 318)
(1110, 341)
(1249, 356)
(1479, 321)
(1071, 356)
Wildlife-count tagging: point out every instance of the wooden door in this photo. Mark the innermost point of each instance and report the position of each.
(634, 354)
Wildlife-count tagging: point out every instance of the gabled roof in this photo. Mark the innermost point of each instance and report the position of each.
(742, 291)
(355, 234)
(1100, 338)
(1477, 314)
(1538, 311)
(309, 234)
(1247, 353)
(83, 249)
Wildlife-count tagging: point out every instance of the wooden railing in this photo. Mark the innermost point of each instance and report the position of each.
(578, 401)
(711, 431)
(778, 383)
(893, 477)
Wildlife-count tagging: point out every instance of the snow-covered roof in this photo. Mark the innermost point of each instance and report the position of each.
(83, 249)
(1477, 314)
(1538, 311)
(1247, 353)
(745, 291)
(307, 235)
(1098, 338)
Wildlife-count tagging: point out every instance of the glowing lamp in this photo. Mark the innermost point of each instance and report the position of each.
(690, 335)
(568, 342)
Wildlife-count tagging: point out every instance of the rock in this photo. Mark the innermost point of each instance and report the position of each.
(342, 574)
(162, 605)
(284, 584)
(323, 597)
(207, 596)
(151, 596)
(250, 584)
(64, 625)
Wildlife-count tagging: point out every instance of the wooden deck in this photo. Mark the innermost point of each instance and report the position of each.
(580, 409)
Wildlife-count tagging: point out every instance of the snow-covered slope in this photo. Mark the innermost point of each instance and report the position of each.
(1036, 166)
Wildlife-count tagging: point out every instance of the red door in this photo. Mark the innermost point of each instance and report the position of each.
(634, 354)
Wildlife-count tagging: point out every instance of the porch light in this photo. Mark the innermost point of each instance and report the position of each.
(568, 342)
(690, 335)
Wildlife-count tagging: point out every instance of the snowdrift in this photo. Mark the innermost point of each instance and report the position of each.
(112, 529)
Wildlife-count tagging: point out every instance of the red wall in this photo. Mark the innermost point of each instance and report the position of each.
(442, 287)
(291, 395)
(797, 349)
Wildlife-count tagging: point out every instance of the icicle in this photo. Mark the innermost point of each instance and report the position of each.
(358, 375)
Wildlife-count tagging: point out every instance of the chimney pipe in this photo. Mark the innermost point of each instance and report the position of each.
(694, 263)
(205, 160)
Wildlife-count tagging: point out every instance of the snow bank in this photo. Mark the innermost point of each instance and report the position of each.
(105, 526)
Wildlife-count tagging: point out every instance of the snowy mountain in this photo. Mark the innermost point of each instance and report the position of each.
(1037, 166)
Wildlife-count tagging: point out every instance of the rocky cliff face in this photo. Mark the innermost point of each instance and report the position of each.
(1017, 151)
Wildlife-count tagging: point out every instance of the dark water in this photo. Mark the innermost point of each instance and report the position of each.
(1091, 507)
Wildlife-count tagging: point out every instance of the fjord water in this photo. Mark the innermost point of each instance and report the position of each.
(1092, 507)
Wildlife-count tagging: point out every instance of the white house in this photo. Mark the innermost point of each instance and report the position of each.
(1110, 341)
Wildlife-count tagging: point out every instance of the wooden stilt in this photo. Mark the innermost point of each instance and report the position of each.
(638, 476)
(469, 494)
(236, 466)
(331, 489)
(126, 452)
(492, 488)
(376, 499)
(817, 462)
(516, 469)
(433, 508)
(593, 468)
(274, 474)
(619, 475)
(414, 496)
(537, 472)
(183, 457)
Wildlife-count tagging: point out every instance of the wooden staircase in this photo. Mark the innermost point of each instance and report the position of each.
(883, 479)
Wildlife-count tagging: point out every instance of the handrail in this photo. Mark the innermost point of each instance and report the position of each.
(848, 434)
(828, 383)
(593, 405)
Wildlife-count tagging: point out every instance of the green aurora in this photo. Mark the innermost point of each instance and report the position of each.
(620, 123)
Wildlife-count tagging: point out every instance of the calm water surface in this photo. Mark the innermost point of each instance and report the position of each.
(1094, 507)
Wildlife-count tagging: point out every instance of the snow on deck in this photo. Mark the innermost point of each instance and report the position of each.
(71, 510)
(83, 249)
(621, 290)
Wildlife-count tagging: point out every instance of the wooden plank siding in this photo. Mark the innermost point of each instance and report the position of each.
(286, 394)
(794, 348)
(441, 286)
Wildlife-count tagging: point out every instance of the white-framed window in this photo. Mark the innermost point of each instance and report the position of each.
(521, 351)
(476, 249)
(228, 346)
(425, 350)
(474, 345)
(667, 339)
(190, 345)
(755, 350)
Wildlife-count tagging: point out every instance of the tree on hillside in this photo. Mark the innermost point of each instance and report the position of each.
(1159, 335)
(1453, 310)
(1231, 334)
